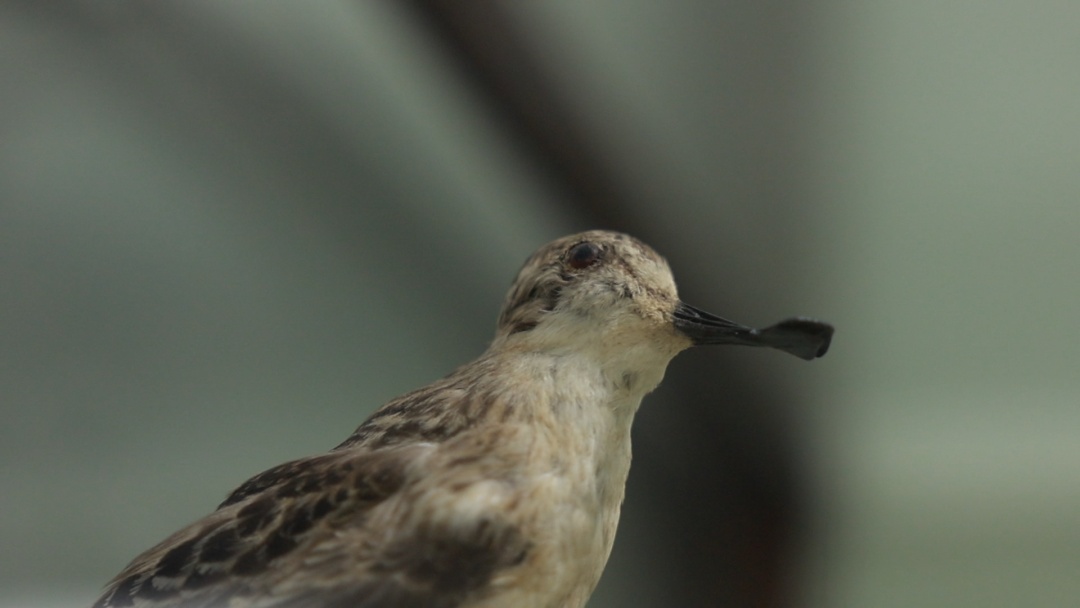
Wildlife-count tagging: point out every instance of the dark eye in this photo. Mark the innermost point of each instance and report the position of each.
(583, 255)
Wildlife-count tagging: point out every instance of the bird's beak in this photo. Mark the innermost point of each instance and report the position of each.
(804, 338)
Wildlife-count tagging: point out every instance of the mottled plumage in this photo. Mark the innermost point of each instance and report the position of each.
(498, 485)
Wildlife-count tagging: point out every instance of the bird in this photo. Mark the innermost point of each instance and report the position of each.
(498, 485)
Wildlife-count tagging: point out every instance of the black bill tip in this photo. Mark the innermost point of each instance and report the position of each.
(805, 338)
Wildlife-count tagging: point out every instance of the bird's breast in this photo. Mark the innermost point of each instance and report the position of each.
(575, 473)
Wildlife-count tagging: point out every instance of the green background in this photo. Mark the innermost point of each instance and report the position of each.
(228, 231)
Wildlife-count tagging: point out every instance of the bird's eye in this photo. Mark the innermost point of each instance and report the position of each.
(582, 255)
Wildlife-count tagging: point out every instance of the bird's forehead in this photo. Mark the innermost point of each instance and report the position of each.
(616, 246)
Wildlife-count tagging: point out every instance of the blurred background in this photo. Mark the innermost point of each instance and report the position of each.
(230, 230)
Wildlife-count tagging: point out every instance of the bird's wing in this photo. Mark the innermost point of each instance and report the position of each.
(265, 520)
(340, 529)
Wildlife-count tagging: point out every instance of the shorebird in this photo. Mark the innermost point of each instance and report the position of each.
(497, 485)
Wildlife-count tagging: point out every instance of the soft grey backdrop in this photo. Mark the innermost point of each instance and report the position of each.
(229, 230)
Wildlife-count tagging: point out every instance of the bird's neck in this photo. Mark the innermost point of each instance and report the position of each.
(583, 397)
(628, 365)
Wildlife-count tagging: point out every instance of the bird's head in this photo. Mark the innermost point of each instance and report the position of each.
(611, 288)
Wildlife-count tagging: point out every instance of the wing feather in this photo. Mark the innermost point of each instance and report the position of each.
(268, 518)
(347, 528)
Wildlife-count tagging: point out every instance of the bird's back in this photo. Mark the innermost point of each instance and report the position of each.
(473, 506)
